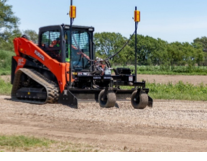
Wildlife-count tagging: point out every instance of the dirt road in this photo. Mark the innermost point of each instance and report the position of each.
(169, 126)
(192, 79)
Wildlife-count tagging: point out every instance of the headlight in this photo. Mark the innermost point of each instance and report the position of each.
(107, 72)
(83, 74)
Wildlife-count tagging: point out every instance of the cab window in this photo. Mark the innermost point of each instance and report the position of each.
(50, 39)
(51, 44)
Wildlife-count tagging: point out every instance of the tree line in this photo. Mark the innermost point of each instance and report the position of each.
(9, 27)
(151, 51)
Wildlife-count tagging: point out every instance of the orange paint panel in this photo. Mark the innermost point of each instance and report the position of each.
(67, 71)
(29, 48)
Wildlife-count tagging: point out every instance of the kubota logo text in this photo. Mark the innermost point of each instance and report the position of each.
(21, 62)
(39, 55)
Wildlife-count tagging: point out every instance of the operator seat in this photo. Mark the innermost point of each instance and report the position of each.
(53, 50)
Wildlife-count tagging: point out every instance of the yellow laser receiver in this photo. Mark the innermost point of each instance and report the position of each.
(72, 12)
(137, 16)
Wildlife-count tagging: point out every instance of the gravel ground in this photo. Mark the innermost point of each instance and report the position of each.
(168, 126)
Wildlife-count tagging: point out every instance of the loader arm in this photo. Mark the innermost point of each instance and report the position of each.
(23, 46)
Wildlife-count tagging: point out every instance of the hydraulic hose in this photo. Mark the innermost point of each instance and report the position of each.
(121, 48)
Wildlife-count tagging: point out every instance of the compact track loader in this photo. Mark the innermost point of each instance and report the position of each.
(62, 68)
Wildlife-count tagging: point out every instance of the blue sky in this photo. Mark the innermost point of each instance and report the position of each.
(170, 20)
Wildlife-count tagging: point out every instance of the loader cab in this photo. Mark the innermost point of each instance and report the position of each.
(55, 41)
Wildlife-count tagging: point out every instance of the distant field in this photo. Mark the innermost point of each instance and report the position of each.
(161, 87)
(164, 83)
(174, 79)
(177, 70)
(5, 67)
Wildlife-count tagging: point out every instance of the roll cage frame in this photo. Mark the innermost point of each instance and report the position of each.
(61, 29)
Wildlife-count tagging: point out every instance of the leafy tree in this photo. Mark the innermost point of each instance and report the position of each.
(108, 44)
(184, 54)
(32, 35)
(6, 41)
(201, 54)
(150, 51)
(160, 54)
(7, 18)
(8, 26)
(203, 43)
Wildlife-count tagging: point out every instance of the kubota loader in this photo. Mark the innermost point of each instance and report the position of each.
(62, 68)
(41, 73)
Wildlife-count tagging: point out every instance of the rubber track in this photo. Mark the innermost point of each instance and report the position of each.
(51, 88)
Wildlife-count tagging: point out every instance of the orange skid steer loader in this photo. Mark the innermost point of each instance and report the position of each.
(62, 68)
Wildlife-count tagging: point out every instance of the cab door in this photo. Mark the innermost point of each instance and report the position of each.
(51, 41)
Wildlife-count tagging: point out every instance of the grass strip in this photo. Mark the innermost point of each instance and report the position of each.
(32, 144)
(179, 91)
(5, 87)
(22, 141)
(5, 62)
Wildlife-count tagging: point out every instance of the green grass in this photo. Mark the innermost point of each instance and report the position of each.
(32, 144)
(23, 141)
(5, 62)
(179, 91)
(5, 87)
